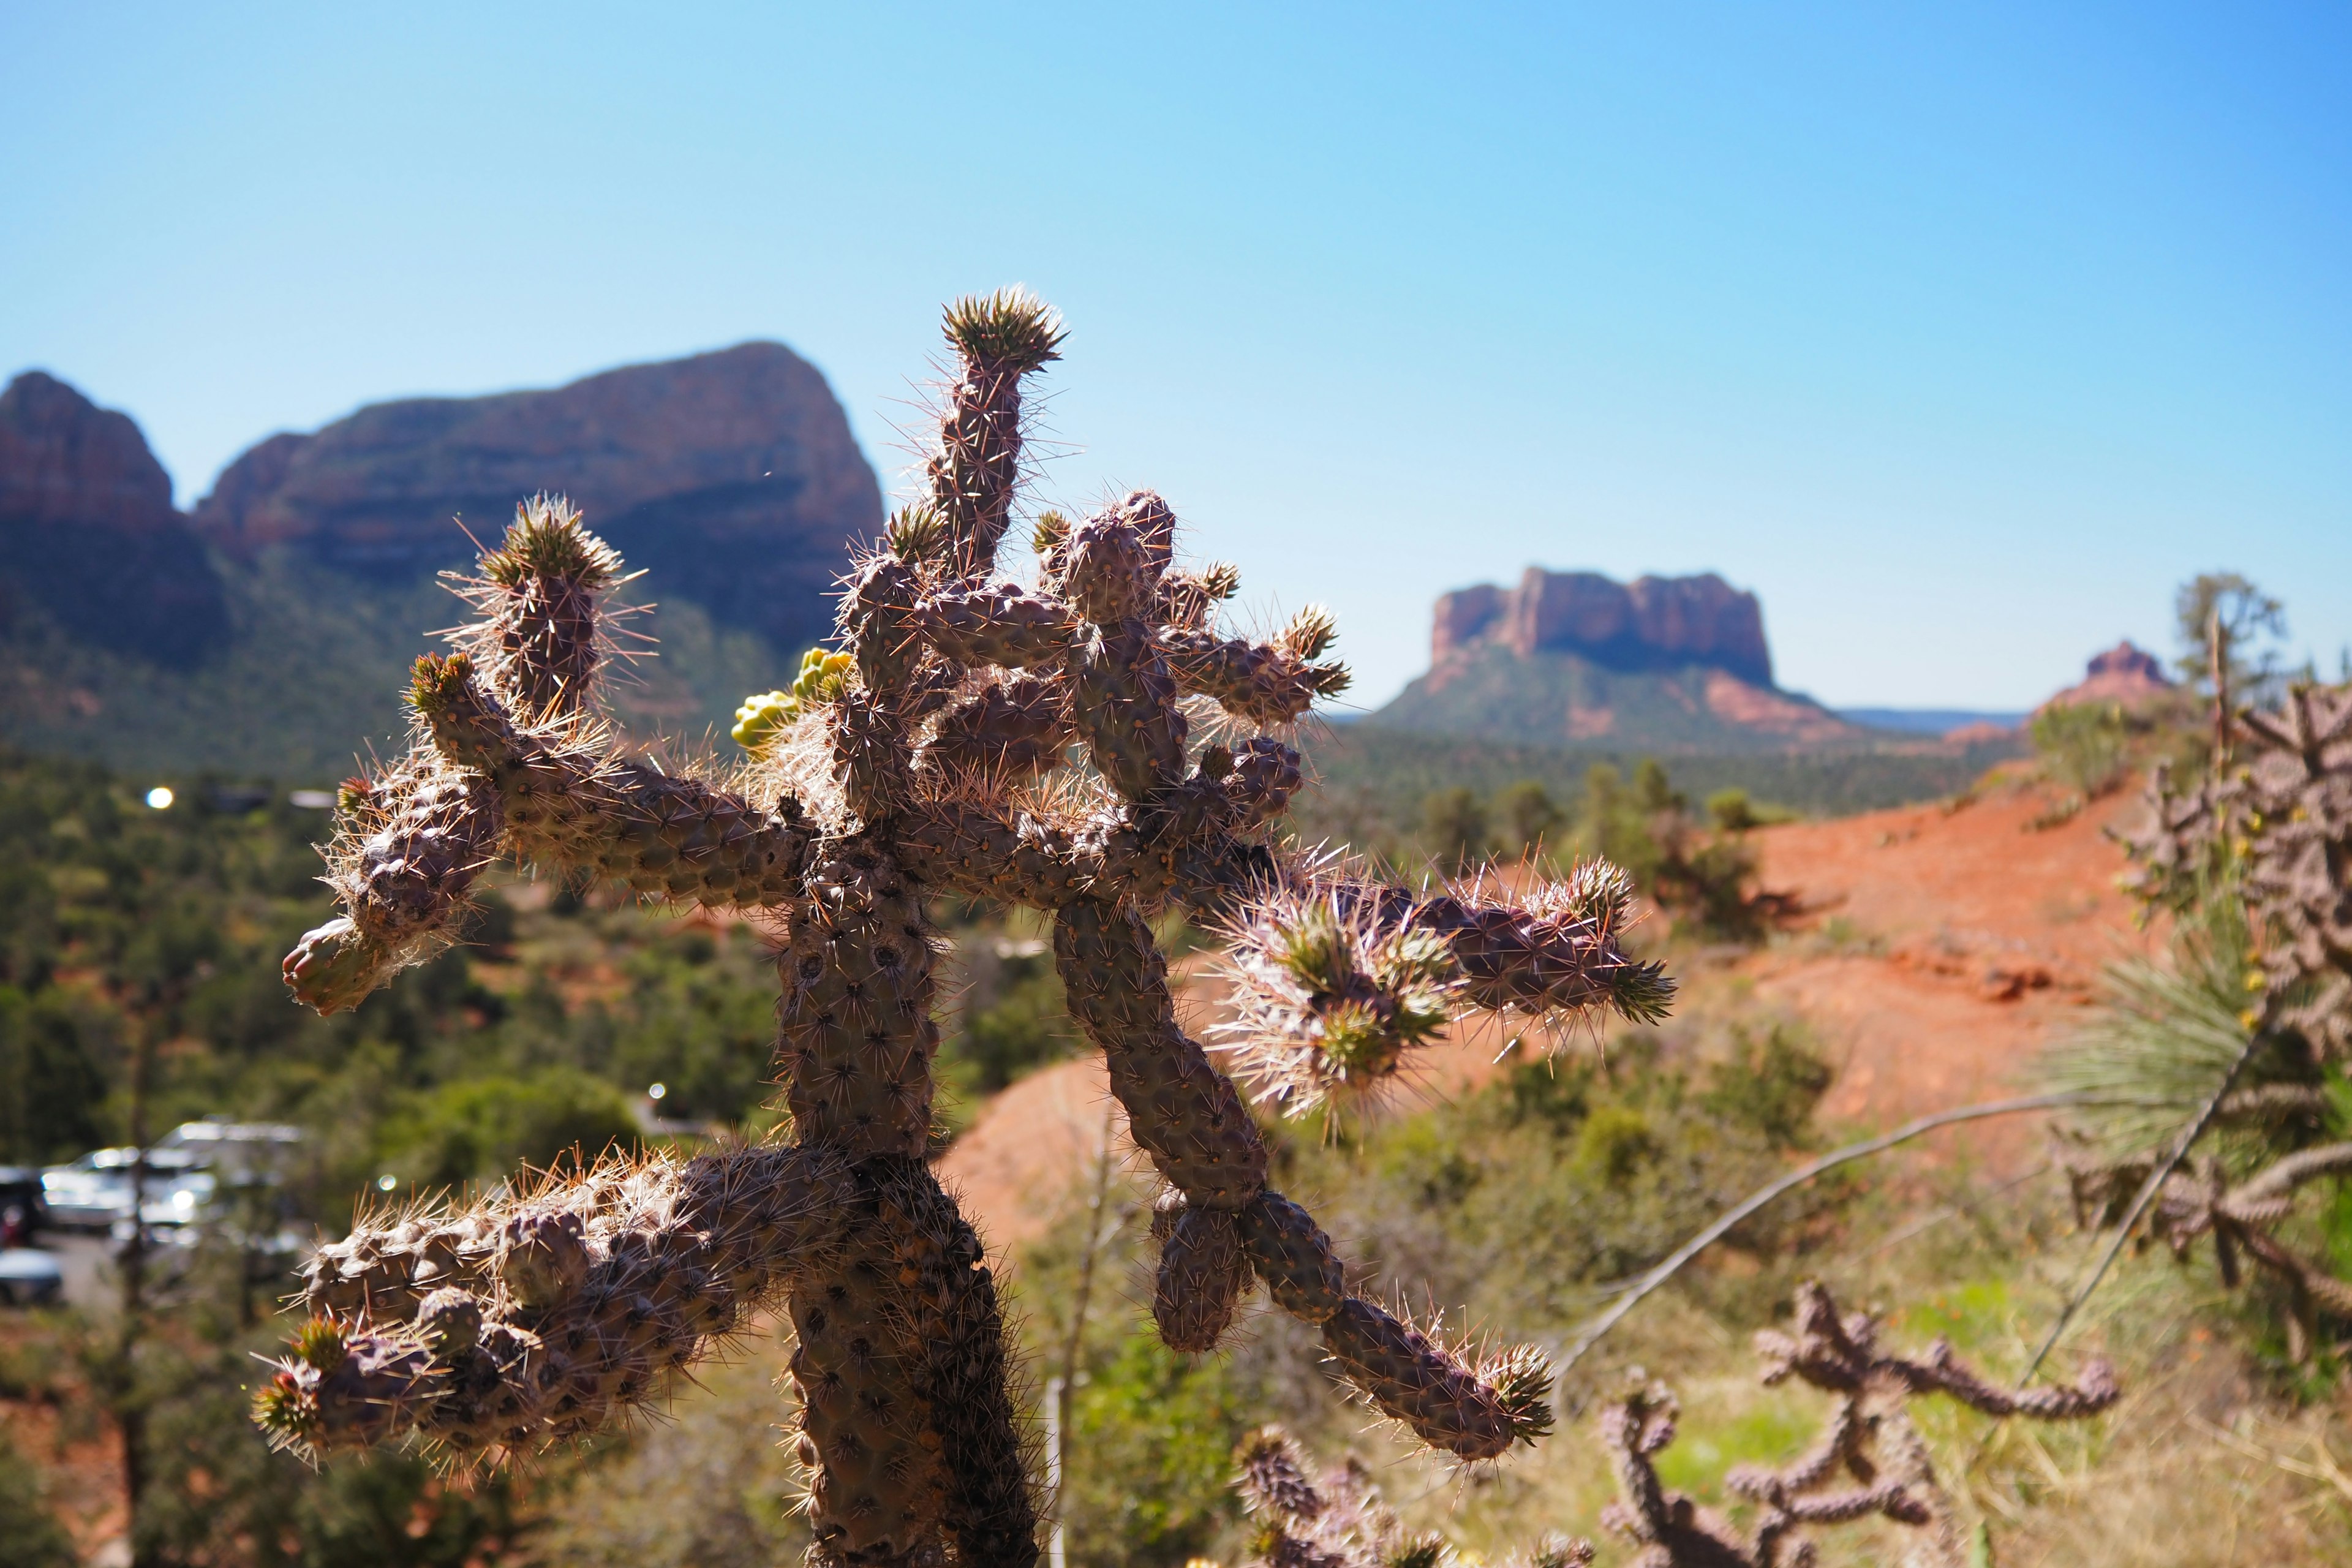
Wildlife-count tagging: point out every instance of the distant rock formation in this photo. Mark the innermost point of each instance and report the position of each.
(2125, 674)
(88, 531)
(1670, 663)
(731, 478)
(1652, 623)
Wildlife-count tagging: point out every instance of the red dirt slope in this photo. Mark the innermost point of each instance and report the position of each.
(1936, 953)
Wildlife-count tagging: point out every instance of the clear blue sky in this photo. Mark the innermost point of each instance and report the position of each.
(1959, 333)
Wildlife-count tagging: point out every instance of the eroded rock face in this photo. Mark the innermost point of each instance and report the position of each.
(1650, 624)
(88, 531)
(731, 477)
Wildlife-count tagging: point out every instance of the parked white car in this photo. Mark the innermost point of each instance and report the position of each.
(29, 1278)
(94, 1190)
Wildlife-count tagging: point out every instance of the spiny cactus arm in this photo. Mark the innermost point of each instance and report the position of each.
(1181, 1111)
(906, 1424)
(541, 594)
(571, 804)
(974, 471)
(869, 1444)
(1556, 954)
(1204, 1273)
(1122, 697)
(1477, 1412)
(857, 1037)
(406, 852)
(995, 624)
(1265, 683)
(1670, 1529)
(1004, 731)
(1942, 1371)
(2252, 1199)
(963, 1366)
(527, 1321)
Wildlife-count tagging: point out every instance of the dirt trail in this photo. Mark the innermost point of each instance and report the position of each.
(1936, 954)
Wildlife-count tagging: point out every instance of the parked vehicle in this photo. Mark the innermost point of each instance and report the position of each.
(29, 1278)
(23, 1211)
(93, 1191)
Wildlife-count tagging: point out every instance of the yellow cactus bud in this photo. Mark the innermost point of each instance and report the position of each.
(760, 717)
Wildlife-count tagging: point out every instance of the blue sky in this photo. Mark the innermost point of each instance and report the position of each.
(1961, 333)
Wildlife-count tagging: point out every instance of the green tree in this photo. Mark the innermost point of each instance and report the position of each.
(1454, 823)
(1530, 818)
(2245, 617)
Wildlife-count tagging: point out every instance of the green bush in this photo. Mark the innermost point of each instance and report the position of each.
(480, 1127)
(1453, 823)
(2084, 745)
(30, 1535)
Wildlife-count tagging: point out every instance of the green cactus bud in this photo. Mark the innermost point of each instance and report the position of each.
(1330, 999)
(760, 717)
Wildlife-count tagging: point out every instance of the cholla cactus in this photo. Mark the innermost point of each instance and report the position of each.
(2273, 827)
(1089, 744)
(1337, 1519)
(1870, 1439)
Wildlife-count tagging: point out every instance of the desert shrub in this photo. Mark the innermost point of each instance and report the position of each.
(2084, 745)
(52, 1091)
(1454, 826)
(1517, 1200)
(30, 1535)
(1771, 1084)
(1530, 818)
(1152, 1433)
(478, 1127)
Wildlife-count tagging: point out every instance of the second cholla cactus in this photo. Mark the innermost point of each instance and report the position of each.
(1089, 744)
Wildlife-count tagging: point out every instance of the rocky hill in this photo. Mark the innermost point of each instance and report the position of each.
(1670, 665)
(89, 538)
(268, 631)
(731, 477)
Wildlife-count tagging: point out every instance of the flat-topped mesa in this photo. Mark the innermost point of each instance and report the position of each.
(1090, 745)
(1651, 623)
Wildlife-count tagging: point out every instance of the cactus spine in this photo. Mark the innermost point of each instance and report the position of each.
(1029, 744)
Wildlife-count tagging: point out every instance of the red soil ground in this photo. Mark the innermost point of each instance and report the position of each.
(1933, 954)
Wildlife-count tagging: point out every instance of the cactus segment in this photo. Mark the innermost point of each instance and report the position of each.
(1182, 1112)
(963, 1364)
(541, 594)
(570, 801)
(1338, 1521)
(1446, 1403)
(1204, 1273)
(877, 616)
(1292, 1255)
(1264, 683)
(1329, 1000)
(995, 624)
(1110, 571)
(408, 849)
(528, 1319)
(1015, 727)
(976, 466)
(858, 1034)
(877, 1491)
(1127, 713)
(1555, 952)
